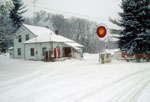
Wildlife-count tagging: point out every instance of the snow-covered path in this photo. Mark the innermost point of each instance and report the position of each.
(73, 81)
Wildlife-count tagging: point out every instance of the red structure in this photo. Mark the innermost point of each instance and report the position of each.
(56, 52)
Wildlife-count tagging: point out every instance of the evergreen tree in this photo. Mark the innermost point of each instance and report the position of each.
(6, 29)
(16, 12)
(135, 21)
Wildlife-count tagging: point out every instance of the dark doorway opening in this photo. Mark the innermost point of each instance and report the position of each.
(67, 51)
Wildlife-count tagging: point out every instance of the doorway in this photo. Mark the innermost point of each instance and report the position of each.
(67, 51)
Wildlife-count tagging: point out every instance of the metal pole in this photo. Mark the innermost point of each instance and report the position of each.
(105, 45)
(99, 55)
(36, 52)
(108, 43)
(34, 14)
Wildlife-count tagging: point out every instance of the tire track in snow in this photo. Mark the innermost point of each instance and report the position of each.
(61, 84)
(100, 89)
(5, 83)
(145, 95)
(76, 80)
(139, 92)
(27, 80)
(124, 90)
(94, 90)
(34, 77)
(31, 75)
(43, 74)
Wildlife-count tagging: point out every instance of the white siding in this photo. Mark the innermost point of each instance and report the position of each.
(37, 47)
(23, 32)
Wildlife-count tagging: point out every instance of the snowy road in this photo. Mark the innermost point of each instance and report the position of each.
(73, 81)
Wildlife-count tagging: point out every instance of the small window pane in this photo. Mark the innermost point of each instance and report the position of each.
(44, 50)
(32, 51)
(19, 38)
(27, 37)
(19, 51)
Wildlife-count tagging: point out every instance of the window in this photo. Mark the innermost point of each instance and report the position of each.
(43, 50)
(32, 51)
(19, 38)
(27, 37)
(19, 51)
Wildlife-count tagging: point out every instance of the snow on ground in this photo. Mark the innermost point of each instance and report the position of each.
(73, 81)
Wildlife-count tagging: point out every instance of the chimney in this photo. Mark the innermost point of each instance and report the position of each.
(56, 32)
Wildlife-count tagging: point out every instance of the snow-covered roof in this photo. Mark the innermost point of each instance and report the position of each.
(37, 30)
(73, 44)
(49, 37)
(46, 35)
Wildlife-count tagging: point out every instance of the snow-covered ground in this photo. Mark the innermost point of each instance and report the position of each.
(73, 81)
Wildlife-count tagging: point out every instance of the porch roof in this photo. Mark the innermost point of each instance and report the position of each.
(74, 45)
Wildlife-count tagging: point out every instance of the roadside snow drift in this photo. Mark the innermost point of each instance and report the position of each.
(73, 81)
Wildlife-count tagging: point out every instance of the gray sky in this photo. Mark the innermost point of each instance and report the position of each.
(96, 10)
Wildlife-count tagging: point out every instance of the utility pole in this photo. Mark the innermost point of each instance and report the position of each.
(34, 4)
(36, 52)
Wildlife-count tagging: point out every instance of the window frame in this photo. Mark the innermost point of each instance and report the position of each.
(19, 38)
(32, 53)
(27, 37)
(19, 51)
(43, 50)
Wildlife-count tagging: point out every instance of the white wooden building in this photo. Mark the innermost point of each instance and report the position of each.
(36, 43)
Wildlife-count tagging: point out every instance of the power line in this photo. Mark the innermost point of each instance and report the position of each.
(66, 12)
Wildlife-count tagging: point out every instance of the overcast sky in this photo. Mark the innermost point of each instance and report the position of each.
(96, 10)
